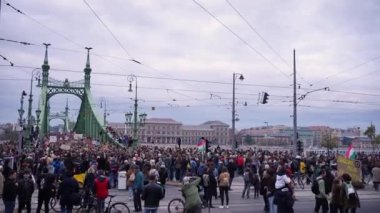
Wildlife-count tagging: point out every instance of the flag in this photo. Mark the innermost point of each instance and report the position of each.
(350, 153)
(201, 145)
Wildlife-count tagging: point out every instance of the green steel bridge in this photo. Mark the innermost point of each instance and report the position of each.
(88, 123)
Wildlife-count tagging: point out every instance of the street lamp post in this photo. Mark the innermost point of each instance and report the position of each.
(36, 75)
(105, 114)
(38, 113)
(132, 118)
(241, 77)
(21, 120)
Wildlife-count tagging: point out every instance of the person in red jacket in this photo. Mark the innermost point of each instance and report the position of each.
(101, 189)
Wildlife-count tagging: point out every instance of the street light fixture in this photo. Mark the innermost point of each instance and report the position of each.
(21, 120)
(134, 119)
(234, 77)
(35, 75)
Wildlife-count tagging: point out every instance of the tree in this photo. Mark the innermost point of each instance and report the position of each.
(248, 140)
(9, 134)
(329, 142)
(371, 133)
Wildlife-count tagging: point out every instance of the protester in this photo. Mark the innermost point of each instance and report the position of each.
(376, 176)
(46, 190)
(102, 184)
(163, 177)
(152, 194)
(25, 191)
(10, 192)
(193, 203)
(224, 182)
(321, 198)
(283, 197)
(248, 179)
(267, 189)
(68, 193)
(335, 204)
(348, 195)
(137, 188)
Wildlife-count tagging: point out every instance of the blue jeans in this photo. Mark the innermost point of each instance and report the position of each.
(272, 206)
(150, 210)
(66, 209)
(9, 206)
(113, 179)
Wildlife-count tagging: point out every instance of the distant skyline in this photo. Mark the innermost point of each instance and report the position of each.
(185, 53)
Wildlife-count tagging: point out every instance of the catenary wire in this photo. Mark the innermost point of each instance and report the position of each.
(241, 39)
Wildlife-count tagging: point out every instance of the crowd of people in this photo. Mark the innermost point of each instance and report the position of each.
(55, 171)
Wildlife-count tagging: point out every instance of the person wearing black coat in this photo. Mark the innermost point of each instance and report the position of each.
(212, 187)
(46, 190)
(10, 192)
(231, 166)
(25, 192)
(163, 176)
(68, 189)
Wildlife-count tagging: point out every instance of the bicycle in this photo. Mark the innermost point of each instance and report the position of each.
(176, 205)
(297, 179)
(117, 207)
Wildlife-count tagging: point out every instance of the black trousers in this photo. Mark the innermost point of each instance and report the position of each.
(43, 199)
(137, 199)
(23, 203)
(321, 202)
(335, 208)
(224, 191)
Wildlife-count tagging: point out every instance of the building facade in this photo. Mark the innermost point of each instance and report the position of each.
(169, 131)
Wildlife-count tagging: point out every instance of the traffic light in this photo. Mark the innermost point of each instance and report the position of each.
(207, 146)
(299, 146)
(265, 98)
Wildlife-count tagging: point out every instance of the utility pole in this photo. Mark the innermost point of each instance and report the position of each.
(295, 134)
(234, 143)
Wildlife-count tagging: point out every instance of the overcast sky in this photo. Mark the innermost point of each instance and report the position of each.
(337, 46)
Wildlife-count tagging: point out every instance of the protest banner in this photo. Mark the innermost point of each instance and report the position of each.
(351, 167)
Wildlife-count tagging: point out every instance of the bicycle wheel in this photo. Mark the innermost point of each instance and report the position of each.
(300, 183)
(86, 210)
(54, 205)
(176, 206)
(118, 207)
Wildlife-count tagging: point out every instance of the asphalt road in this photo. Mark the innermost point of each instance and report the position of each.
(370, 200)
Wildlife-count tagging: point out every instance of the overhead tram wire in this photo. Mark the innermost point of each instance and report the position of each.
(45, 26)
(241, 39)
(120, 44)
(355, 78)
(257, 33)
(349, 69)
(108, 29)
(157, 78)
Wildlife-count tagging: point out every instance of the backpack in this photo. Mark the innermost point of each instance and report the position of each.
(246, 176)
(315, 187)
(350, 191)
(328, 183)
(206, 180)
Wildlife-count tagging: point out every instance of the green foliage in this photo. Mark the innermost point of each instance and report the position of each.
(371, 133)
(329, 142)
(248, 140)
(9, 134)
